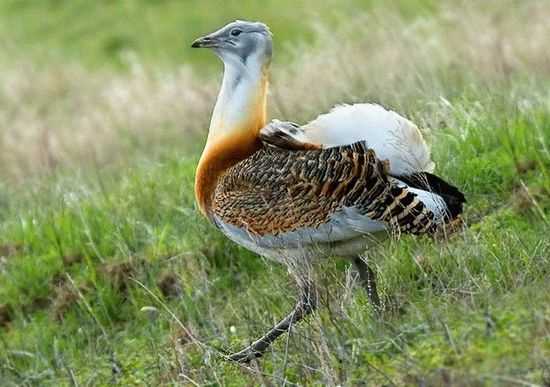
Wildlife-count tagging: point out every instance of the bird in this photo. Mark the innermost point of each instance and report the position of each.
(293, 192)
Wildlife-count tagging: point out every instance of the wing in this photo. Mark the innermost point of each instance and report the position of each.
(393, 137)
(285, 135)
(277, 191)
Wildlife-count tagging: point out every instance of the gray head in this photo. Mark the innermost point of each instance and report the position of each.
(239, 41)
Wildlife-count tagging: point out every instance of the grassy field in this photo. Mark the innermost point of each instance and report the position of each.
(115, 34)
(108, 274)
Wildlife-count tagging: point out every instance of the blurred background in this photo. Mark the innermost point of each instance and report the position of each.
(108, 274)
(108, 34)
(103, 81)
(82, 79)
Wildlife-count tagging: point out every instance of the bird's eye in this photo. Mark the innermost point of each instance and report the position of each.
(236, 32)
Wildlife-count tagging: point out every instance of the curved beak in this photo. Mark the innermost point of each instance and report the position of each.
(206, 42)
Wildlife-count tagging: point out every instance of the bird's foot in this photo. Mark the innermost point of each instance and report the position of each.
(245, 356)
(304, 307)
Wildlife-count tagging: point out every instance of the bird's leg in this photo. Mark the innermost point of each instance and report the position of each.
(305, 305)
(368, 280)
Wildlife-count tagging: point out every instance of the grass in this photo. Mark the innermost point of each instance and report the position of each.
(108, 274)
(116, 34)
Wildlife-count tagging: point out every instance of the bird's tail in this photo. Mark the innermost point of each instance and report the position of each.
(425, 181)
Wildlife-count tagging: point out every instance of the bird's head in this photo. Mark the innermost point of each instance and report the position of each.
(239, 43)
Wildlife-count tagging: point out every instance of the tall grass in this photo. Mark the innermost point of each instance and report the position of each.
(115, 278)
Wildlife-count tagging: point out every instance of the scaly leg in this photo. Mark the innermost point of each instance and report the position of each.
(305, 305)
(368, 280)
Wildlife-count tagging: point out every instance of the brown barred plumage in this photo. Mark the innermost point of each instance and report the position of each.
(276, 191)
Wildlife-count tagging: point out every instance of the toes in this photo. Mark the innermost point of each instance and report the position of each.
(245, 356)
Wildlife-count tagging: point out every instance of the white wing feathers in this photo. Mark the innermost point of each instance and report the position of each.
(392, 136)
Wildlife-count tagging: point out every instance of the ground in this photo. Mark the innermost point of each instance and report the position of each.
(108, 273)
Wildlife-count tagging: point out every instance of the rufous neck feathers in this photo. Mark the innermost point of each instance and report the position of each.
(238, 116)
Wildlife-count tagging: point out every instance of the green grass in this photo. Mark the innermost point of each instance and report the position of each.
(474, 309)
(83, 253)
(159, 32)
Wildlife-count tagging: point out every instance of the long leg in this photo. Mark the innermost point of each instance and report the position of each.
(368, 280)
(305, 305)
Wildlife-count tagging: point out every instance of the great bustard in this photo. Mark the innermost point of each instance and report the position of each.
(291, 192)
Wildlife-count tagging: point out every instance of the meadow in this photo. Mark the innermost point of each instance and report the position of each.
(109, 275)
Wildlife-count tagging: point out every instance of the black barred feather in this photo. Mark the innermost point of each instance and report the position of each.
(276, 191)
(454, 199)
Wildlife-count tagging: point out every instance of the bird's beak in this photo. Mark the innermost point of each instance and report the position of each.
(207, 41)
